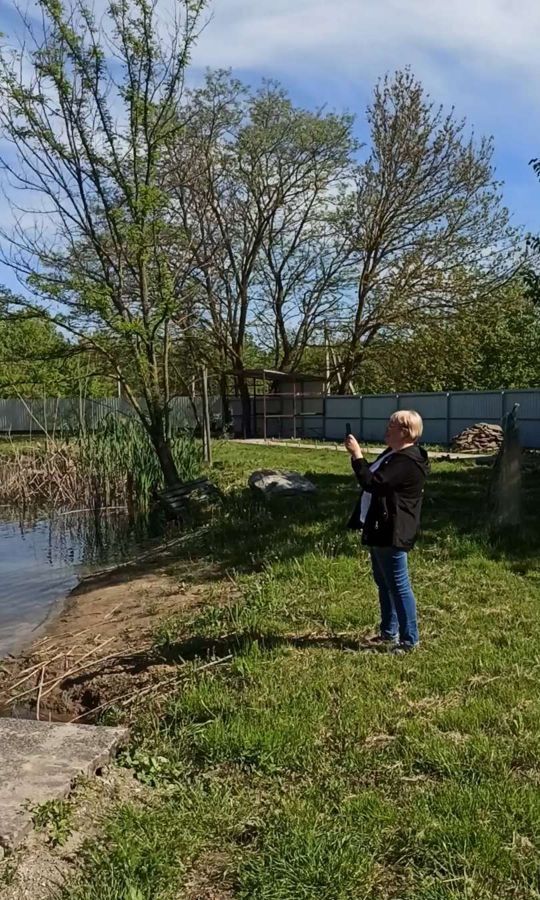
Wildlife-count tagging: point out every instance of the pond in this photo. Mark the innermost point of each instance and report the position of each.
(42, 560)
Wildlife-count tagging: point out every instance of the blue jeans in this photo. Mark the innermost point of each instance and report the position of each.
(398, 604)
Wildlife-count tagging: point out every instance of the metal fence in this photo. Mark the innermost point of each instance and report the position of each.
(69, 414)
(444, 414)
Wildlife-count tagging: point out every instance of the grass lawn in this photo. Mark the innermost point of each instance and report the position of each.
(307, 768)
(12, 444)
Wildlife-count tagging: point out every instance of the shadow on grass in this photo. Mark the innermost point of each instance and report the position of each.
(249, 533)
(202, 647)
(456, 504)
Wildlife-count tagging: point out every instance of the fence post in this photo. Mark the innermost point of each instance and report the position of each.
(361, 417)
(448, 435)
(264, 406)
(207, 440)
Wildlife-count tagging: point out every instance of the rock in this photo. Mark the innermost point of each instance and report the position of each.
(280, 482)
(481, 438)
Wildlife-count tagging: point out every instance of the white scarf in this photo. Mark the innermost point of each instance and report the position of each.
(365, 502)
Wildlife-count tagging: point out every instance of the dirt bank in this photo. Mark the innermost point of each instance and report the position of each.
(101, 647)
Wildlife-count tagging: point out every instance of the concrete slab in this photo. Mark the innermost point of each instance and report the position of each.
(39, 761)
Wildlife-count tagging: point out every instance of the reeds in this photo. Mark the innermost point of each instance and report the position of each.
(115, 465)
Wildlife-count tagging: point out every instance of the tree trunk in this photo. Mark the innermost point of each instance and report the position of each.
(166, 461)
(245, 401)
(346, 373)
(226, 418)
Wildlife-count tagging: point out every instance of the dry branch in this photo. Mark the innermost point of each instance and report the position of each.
(40, 689)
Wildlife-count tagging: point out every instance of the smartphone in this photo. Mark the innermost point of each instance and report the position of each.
(348, 429)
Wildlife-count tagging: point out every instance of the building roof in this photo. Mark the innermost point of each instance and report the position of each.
(274, 375)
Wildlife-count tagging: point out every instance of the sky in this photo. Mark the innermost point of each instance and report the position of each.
(479, 56)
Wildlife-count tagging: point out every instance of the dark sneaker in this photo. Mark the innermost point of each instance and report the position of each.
(403, 647)
(379, 639)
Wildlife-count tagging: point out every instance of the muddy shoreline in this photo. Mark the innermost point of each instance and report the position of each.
(99, 645)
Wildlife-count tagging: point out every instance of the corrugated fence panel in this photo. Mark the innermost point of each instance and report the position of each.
(67, 414)
(430, 406)
(373, 430)
(434, 410)
(339, 411)
(96, 411)
(435, 431)
(335, 428)
(529, 404)
(445, 415)
(468, 408)
(37, 415)
(313, 427)
(375, 410)
(379, 406)
(13, 416)
(183, 413)
(477, 407)
(342, 407)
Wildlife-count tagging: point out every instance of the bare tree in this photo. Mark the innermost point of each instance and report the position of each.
(89, 109)
(426, 225)
(302, 276)
(257, 204)
(532, 268)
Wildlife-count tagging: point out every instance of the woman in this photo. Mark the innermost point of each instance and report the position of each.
(388, 513)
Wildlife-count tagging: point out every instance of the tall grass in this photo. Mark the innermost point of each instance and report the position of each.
(123, 466)
(115, 465)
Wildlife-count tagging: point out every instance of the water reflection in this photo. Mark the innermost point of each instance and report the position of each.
(41, 560)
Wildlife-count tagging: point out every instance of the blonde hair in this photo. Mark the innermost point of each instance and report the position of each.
(410, 421)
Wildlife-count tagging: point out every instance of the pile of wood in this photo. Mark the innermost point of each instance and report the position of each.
(481, 438)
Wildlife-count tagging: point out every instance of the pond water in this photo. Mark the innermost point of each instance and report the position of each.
(42, 560)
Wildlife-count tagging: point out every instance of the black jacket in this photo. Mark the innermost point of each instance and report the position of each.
(396, 490)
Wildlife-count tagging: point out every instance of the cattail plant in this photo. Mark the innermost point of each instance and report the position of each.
(114, 465)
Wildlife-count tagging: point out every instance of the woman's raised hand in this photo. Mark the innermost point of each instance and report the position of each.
(353, 447)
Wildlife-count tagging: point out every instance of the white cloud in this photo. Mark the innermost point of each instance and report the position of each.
(479, 55)
(466, 50)
(251, 33)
